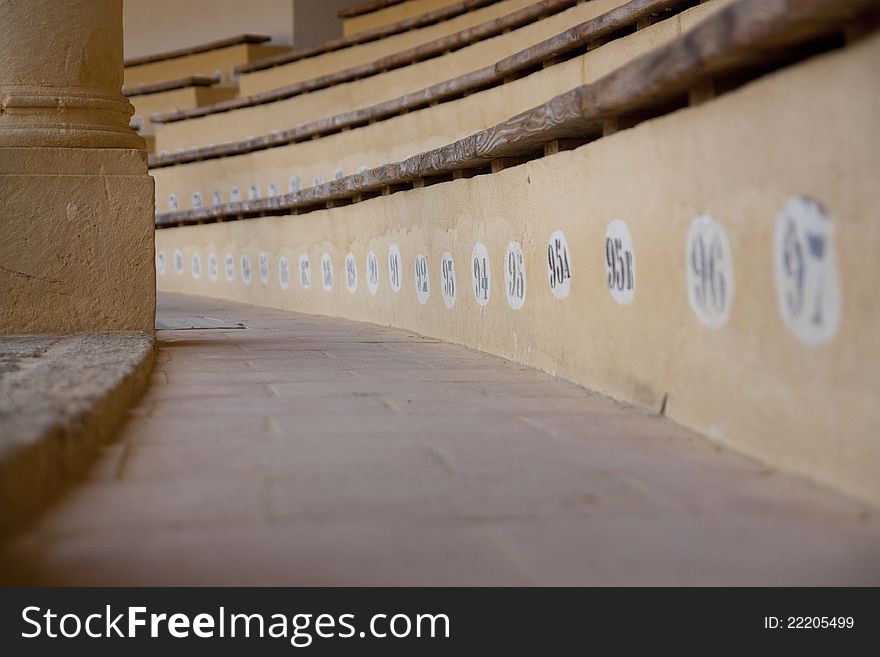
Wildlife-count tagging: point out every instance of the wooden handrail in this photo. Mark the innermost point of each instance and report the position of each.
(194, 50)
(578, 38)
(745, 35)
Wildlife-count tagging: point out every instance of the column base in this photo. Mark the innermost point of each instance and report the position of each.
(76, 241)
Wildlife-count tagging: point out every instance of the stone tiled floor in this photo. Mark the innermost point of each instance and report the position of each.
(314, 451)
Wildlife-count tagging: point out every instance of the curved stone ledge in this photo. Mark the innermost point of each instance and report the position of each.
(60, 399)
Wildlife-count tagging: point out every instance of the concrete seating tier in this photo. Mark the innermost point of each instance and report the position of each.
(366, 8)
(371, 15)
(391, 131)
(636, 235)
(208, 59)
(191, 91)
(382, 80)
(336, 54)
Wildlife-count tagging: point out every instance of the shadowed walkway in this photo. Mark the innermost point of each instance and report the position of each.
(315, 451)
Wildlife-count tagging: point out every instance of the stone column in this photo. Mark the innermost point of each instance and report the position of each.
(76, 200)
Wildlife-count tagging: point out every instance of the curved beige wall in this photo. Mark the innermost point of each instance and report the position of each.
(751, 383)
